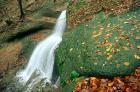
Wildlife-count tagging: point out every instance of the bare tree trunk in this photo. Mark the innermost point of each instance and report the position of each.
(22, 15)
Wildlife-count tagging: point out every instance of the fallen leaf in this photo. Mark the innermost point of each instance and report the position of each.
(137, 37)
(110, 84)
(125, 48)
(109, 57)
(83, 43)
(126, 22)
(118, 50)
(95, 63)
(137, 57)
(108, 35)
(71, 49)
(138, 47)
(117, 65)
(131, 46)
(126, 63)
(92, 78)
(95, 34)
(98, 52)
(107, 43)
(108, 49)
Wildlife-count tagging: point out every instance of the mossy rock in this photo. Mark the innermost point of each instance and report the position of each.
(105, 47)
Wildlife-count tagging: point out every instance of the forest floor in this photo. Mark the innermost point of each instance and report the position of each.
(117, 84)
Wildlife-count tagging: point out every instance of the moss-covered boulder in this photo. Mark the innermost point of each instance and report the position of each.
(106, 46)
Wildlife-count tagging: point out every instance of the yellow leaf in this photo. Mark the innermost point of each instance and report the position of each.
(125, 48)
(137, 37)
(92, 78)
(108, 49)
(110, 84)
(126, 63)
(137, 57)
(95, 34)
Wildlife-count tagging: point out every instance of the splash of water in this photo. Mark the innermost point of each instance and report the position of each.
(42, 59)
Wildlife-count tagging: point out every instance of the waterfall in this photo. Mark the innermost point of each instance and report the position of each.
(41, 61)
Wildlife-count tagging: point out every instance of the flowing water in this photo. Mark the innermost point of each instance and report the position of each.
(41, 63)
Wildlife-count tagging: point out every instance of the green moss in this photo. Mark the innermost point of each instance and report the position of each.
(28, 47)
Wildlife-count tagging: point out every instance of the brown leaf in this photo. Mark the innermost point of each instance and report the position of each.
(109, 57)
(138, 47)
(98, 52)
(108, 35)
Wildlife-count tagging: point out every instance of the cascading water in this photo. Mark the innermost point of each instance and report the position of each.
(42, 59)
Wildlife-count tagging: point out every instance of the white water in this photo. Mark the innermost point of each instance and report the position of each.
(42, 59)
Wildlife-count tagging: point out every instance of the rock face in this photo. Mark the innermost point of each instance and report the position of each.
(104, 44)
